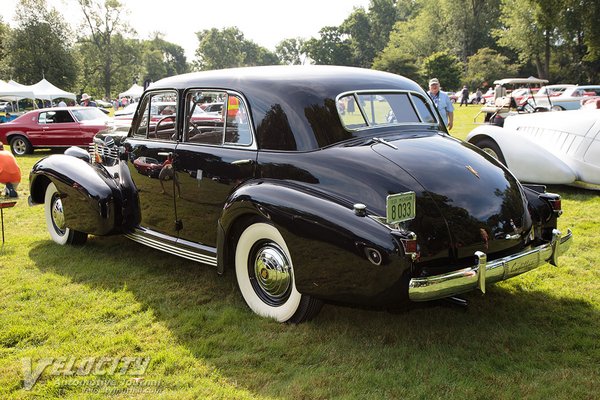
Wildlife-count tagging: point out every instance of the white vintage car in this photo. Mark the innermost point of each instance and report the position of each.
(548, 147)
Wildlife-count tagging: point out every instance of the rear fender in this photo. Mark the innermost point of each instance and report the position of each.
(90, 197)
(333, 249)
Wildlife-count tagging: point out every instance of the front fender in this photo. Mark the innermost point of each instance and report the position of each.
(528, 161)
(331, 246)
(90, 197)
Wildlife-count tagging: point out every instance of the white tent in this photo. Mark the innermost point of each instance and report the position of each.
(13, 93)
(46, 91)
(135, 91)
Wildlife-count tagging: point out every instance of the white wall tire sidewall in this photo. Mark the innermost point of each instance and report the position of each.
(248, 238)
(56, 237)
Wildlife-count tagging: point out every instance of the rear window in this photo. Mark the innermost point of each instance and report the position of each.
(363, 110)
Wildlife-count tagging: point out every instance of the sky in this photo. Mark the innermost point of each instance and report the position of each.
(265, 22)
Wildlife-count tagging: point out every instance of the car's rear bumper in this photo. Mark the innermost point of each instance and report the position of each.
(483, 272)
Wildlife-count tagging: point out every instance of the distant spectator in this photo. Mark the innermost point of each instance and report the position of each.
(464, 96)
(7, 117)
(478, 96)
(62, 103)
(86, 101)
(442, 102)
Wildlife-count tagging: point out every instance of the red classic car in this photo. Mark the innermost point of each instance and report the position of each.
(53, 127)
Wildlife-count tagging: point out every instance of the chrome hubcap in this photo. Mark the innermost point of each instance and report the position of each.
(58, 216)
(19, 146)
(272, 274)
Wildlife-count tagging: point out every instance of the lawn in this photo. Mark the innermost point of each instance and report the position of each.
(535, 336)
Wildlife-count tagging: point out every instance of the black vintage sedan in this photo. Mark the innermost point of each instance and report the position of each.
(313, 184)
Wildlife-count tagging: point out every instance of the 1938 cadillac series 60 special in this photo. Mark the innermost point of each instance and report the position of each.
(312, 184)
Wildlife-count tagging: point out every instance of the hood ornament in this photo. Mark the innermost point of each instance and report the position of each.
(472, 170)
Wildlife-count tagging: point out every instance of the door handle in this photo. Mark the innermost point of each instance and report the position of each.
(242, 162)
(166, 153)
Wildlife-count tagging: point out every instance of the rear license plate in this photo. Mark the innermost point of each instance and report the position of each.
(400, 207)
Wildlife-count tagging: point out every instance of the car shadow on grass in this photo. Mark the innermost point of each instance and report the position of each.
(520, 338)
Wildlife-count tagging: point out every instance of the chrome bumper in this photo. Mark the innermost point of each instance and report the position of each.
(477, 276)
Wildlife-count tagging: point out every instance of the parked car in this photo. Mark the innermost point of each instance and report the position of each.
(570, 98)
(53, 127)
(547, 148)
(127, 110)
(302, 203)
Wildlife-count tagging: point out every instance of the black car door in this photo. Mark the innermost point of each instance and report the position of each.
(154, 137)
(217, 153)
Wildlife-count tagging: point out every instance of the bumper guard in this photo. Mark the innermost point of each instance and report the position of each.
(479, 275)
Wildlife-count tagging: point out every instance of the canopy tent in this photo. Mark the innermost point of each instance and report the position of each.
(521, 81)
(46, 91)
(12, 93)
(135, 91)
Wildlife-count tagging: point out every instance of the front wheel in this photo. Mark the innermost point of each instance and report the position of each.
(55, 220)
(265, 276)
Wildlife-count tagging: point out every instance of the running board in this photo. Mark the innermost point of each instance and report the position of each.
(172, 247)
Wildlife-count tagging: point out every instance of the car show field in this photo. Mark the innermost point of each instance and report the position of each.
(534, 336)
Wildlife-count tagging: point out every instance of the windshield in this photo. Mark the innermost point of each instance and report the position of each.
(88, 114)
(364, 110)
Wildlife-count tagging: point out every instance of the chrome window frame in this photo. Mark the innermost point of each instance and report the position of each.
(375, 92)
(137, 116)
(251, 146)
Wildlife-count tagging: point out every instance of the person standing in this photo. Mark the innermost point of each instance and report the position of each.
(86, 101)
(442, 102)
(10, 174)
(464, 96)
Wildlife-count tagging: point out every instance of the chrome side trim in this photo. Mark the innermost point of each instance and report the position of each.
(477, 276)
(171, 248)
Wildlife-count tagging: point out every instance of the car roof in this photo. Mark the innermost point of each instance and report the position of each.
(299, 100)
(288, 76)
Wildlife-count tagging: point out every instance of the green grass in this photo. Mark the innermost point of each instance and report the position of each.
(535, 336)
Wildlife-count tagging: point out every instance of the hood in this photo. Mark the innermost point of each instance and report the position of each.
(480, 203)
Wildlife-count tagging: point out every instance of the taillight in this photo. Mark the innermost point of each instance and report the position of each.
(554, 201)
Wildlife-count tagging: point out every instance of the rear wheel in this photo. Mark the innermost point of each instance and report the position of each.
(265, 276)
(55, 220)
(20, 146)
(557, 108)
(490, 147)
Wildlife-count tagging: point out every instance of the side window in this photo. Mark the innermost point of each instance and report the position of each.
(158, 117)
(63, 117)
(238, 123)
(424, 110)
(202, 126)
(46, 117)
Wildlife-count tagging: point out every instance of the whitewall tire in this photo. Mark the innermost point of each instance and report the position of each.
(265, 276)
(55, 220)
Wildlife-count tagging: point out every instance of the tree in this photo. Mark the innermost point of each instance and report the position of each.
(126, 66)
(396, 61)
(469, 24)
(528, 31)
(332, 48)
(289, 51)
(227, 48)
(40, 46)
(105, 47)
(161, 58)
(486, 66)
(444, 66)
(4, 50)
(358, 27)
